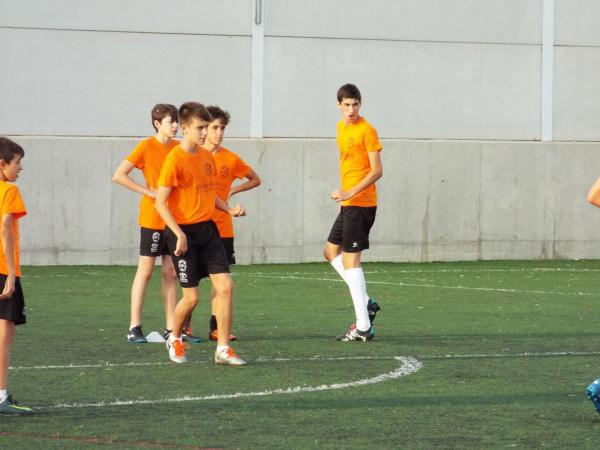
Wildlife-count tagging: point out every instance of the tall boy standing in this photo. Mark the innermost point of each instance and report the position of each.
(148, 156)
(186, 201)
(12, 303)
(229, 166)
(360, 168)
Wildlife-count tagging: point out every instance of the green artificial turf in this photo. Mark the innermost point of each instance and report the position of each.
(506, 352)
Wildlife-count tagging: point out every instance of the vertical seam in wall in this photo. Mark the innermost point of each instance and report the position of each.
(547, 70)
(257, 78)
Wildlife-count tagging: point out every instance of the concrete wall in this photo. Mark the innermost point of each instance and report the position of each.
(428, 69)
(454, 88)
(438, 201)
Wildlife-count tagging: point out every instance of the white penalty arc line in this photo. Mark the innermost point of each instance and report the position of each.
(408, 366)
(434, 286)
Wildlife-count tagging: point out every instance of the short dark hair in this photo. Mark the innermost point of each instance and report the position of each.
(348, 90)
(162, 110)
(218, 113)
(8, 149)
(191, 110)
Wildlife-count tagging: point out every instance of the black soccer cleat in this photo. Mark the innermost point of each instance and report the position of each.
(136, 336)
(373, 308)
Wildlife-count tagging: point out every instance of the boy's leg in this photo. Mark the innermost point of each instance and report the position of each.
(223, 304)
(169, 290)
(183, 309)
(138, 288)
(138, 295)
(7, 404)
(7, 332)
(358, 288)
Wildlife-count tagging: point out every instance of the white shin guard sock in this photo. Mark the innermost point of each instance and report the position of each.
(358, 290)
(338, 265)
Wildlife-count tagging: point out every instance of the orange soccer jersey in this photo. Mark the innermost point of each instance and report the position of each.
(148, 156)
(354, 142)
(191, 177)
(11, 203)
(229, 167)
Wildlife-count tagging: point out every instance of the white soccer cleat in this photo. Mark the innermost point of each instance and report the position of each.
(176, 351)
(228, 357)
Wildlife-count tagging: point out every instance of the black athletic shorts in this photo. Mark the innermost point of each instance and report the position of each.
(152, 242)
(351, 228)
(205, 254)
(13, 308)
(228, 246)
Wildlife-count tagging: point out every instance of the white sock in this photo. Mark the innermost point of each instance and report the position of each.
(3, 395)
(358, 290)
(221, 348)
(338, 265)
(174, 338)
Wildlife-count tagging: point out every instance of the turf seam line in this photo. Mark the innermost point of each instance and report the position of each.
(433, 286)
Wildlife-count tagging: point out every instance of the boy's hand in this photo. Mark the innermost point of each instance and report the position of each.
(9, 288)
(181, 247)
(237, 211)
(151, 192)
(339, 196)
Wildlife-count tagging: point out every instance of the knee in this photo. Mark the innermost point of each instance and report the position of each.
(190, 300)
(329, 254)
(224, 288)
(168, 273)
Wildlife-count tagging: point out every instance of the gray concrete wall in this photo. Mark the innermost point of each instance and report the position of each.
(439, 200)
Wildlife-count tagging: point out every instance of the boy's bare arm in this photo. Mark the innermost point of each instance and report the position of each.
(121, 176)
(374, 174)
(253, 181)
(236, 211)
(162, 195)
(8, 244)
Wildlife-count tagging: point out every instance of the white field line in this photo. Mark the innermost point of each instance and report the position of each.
(109, 365)
(434, 286)
(408, 366)
(434, 271)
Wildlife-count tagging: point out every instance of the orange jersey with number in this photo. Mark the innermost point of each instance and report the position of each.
(11, 202)
(229, 167)
(355, 141)
(148, 156)
(191, 179)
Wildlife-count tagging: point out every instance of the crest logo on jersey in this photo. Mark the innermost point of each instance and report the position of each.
(208, 168)
(224, 171)
(351, 143)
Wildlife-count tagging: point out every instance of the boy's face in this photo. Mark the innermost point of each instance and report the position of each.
(11, 170)
(195, 130)
(349, 108)
(216, 132)
(167, 127)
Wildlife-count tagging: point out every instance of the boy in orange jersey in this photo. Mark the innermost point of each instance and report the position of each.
(360, 168)
(229, 167)
(12, 303)
(186, 201)
(148, 156)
